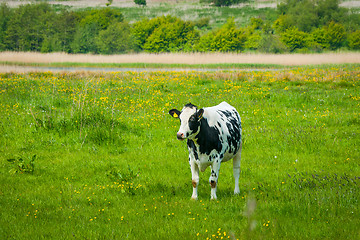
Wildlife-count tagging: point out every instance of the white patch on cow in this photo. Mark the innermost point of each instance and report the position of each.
(184, 118)
(211, 114)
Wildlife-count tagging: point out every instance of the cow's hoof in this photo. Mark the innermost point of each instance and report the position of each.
(236, 192)
(193, 198)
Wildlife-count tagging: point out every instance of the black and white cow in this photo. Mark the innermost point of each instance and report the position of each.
(213, 136)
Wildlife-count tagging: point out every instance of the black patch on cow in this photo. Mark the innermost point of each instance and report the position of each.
(190, 105)
(208, 138)
(191, 145)
(194, 122)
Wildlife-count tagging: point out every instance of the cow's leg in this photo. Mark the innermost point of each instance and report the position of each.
(215, 169)
(195, 179)
(236, 170)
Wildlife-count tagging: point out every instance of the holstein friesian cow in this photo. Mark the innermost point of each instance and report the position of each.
(213, 136)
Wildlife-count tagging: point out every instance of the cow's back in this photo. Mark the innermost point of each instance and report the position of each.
(226, 120)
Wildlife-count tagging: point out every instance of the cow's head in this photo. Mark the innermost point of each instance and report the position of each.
(190, 118)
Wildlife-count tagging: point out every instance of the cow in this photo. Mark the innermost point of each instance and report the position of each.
(213, 136)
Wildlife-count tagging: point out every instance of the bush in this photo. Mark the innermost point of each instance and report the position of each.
(282, 23)
(293, 38)
(253, 41)
(115, 39)
(270, 43)
(253, 33)
(202, 22)
(164, 34)
(221, 3)
(354, 40)
(335, 35)
(317, 40)
(226, 39)
(140, 2)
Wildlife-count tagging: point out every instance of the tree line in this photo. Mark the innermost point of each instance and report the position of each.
(301, 26)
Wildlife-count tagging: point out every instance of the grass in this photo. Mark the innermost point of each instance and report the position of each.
(92, 156)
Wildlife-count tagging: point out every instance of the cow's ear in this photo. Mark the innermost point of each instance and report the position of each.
(200, 114)
(174, 113)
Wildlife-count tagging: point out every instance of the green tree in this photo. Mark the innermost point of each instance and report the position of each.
(115, 39)
(309, 14)
(28, 27)
(85, 38)
(5, 16)
(60, 36)
(89, 27)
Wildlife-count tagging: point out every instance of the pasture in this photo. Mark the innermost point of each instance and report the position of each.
(95, 155)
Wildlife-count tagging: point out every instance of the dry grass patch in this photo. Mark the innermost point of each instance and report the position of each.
(184, 58)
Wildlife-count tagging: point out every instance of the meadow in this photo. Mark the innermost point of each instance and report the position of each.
(95, 155)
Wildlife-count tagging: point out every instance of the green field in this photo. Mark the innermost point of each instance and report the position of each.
(95, 156)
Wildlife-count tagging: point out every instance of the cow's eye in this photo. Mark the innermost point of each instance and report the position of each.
(192, 118)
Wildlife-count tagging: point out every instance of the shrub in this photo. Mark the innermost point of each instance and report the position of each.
(253, 33)
(335, 35)
(293, 38)
(282, 23)
(140, 2)
(317, 39)
(164, 34)
(221, 3)
(115, 39)
(354, 40)
(226, 39)
(271, 43)
(202, 22)
(253, 41)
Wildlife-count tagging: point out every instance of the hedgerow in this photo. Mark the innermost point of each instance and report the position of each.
(300, 26)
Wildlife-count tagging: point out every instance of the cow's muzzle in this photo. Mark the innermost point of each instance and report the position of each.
(180, 136)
